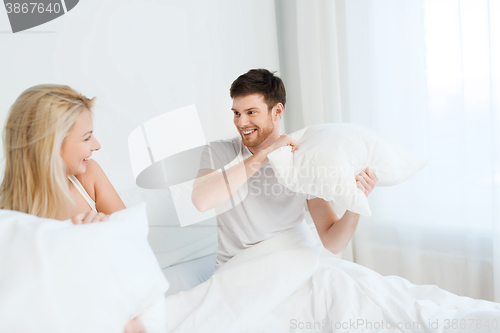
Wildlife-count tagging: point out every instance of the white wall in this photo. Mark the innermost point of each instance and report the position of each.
(141, 59)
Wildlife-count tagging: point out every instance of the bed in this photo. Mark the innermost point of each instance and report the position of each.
(290, 283)
(283, 284)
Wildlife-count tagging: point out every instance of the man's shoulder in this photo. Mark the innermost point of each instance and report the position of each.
(226, 145)
(234, 141)
(222, 152)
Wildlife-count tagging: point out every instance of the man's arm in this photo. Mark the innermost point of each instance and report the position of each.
(336, 233)
(210, 188)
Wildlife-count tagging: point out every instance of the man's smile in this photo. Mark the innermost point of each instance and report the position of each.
(249, 132)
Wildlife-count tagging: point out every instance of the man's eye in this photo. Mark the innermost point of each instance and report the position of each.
(250, 112)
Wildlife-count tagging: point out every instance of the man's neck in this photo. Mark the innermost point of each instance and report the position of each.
(266, 143)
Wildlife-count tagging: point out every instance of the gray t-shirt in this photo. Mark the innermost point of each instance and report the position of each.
(260, 209)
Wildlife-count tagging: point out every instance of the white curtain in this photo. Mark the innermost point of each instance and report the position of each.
(309, 66)
(425, 74)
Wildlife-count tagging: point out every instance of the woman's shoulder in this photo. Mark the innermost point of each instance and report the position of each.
(92, 175)
(100, 189)
(93, 168)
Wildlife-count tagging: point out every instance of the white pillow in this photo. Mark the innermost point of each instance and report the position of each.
(60, 277)
(330, 156)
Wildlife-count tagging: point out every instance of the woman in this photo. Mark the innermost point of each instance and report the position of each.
(48, 143)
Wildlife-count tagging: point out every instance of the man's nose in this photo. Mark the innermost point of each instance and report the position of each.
(242, 121)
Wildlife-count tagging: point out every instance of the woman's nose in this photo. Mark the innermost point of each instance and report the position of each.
(96, 145)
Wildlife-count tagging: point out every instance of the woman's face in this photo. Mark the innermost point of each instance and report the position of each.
(79, 144)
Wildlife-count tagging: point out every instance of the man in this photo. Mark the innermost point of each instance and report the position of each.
(259, 99)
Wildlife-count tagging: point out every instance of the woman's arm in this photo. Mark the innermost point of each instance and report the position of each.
(100, 189)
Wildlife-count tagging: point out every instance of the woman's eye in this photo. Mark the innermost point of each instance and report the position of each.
(87, 139)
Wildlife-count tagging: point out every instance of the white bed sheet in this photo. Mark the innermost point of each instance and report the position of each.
(281, 285)
(187, 275)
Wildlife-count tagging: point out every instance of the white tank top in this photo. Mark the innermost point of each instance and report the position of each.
(82, 191)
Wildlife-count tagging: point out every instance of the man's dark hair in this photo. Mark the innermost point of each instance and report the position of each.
(260, 81)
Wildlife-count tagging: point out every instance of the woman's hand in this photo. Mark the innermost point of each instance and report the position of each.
(89, 217)
(134, 326)
(366, 181)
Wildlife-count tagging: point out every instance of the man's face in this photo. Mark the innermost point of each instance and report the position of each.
(252, 119)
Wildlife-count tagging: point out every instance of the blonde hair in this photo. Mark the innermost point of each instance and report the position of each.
(35, 180)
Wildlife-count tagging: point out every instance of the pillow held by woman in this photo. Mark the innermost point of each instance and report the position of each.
(59, 277)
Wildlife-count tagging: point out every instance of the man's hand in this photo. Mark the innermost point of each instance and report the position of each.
(134, 326)
(89, 217)
(282, 141)
(366, 181)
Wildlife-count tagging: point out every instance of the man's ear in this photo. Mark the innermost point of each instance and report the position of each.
(278, 111)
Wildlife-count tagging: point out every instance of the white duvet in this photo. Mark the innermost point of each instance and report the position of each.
(280, 285)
